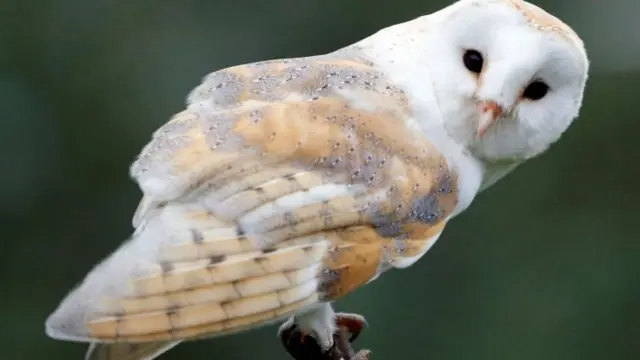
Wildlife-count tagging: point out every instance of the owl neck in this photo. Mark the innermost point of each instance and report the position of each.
(401, 52)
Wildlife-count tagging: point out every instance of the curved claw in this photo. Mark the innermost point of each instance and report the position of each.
(353, 323)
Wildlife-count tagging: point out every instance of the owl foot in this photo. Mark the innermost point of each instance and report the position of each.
(353, 323)
(302, 346)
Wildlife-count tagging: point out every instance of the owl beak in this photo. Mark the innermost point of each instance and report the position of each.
(490, 112)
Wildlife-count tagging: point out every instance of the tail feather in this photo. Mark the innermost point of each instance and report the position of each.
(127, 351)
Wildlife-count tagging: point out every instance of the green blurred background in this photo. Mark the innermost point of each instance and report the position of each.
(544, 266)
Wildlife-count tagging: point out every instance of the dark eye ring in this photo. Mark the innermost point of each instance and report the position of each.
(473, 61)
(536, 90)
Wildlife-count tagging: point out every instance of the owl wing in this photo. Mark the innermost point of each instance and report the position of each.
(284, 184)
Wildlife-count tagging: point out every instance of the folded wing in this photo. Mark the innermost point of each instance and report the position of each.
(284, 184)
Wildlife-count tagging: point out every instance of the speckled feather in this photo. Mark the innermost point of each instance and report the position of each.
(284, 184)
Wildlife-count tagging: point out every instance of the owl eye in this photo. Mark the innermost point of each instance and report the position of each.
(473, 61)
(536, 90)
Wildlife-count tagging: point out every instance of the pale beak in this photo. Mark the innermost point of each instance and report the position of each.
(490, 112)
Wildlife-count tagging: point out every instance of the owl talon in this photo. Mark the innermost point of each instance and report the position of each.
(353, 323)
(302, 346)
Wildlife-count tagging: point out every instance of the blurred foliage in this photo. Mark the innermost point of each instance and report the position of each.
(543, 266)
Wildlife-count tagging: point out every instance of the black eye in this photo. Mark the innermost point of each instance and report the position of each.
(473, 61)
(536, 90)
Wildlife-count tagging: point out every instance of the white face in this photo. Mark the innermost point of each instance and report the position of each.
(506, 89)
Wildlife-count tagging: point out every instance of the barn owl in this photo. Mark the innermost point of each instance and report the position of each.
(285, 184)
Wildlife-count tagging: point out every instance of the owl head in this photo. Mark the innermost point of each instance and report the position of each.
(508, 77)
